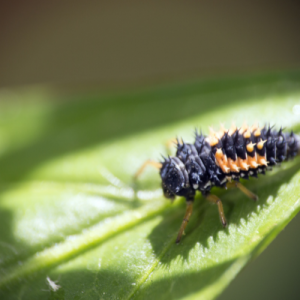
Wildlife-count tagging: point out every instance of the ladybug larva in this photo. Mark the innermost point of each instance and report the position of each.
(221, 159)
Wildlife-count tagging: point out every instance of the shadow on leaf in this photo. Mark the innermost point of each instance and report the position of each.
(205, 223)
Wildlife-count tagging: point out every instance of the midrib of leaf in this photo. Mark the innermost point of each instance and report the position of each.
(77, 244)
(153, 266)
(125, 194)
(198, 210)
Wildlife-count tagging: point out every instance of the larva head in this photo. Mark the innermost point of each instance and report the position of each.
(174, 177)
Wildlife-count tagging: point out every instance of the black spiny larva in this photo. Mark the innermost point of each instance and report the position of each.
(221, 159)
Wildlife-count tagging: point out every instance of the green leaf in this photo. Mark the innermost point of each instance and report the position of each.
(71, 212)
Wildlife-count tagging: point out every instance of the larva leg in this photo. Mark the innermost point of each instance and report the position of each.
(243, 189)
(247, 192)
(214, 199)
(188, 213)
(148, 162)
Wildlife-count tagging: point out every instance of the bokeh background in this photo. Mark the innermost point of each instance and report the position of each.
(112, 45)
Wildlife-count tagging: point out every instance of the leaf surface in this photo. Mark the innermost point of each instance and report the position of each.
(71, 211)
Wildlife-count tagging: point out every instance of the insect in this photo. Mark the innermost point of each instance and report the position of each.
(52, 285)
(221, 159)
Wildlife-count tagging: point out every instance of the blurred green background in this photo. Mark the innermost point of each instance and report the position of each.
(76, 45)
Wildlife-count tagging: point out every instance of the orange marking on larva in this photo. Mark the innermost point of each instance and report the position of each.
(261, 144)
(219, 153)
(257, 133)
(232, 164)
(247, 134)
(221, 159)
(252, 161)
(213, 141)
(242, 163)
(214, 137)
(254, 165)
(262, 160)
(250, 147)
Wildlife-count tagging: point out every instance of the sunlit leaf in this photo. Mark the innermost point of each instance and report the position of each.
(75, 225)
